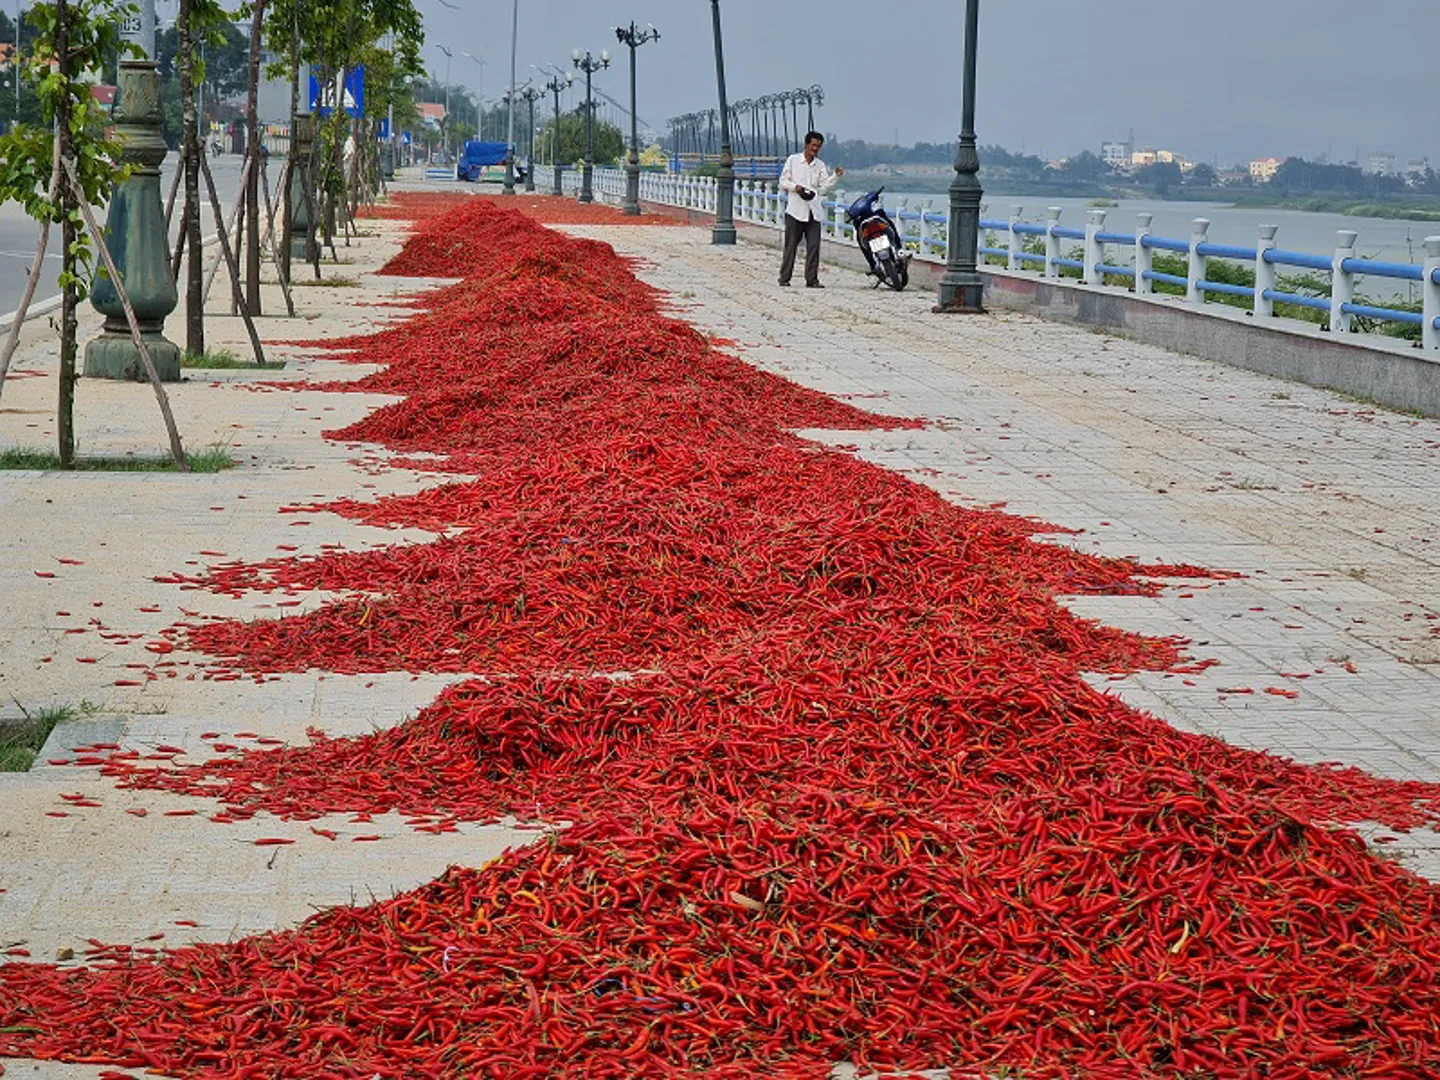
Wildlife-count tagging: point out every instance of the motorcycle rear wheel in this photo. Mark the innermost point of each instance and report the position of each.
(895, 273)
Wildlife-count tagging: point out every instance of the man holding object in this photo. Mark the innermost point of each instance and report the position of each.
(805, 177)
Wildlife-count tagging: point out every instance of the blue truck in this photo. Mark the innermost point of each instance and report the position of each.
(475, 156)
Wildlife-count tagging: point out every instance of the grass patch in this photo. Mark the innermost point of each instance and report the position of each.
(21, 740)
(334, 282)
(224, 359)
(210, 460)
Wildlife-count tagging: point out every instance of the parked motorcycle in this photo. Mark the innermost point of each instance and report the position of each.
(879, 241)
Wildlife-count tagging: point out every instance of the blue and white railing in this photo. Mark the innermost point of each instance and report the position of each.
(1106, 254)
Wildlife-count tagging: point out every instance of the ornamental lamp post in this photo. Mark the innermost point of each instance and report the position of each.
(530, 95)
(724, 230)
(136, 224)
(589, 65)
(634, 38)
(557, 84)
(962, 287)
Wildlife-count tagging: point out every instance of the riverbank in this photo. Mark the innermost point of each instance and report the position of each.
(1427, 210)
(1422, 209)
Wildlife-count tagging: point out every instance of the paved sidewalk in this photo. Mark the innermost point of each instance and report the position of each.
(1328, 507)
(103, 873)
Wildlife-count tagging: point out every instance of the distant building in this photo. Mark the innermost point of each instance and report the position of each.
(1263, 170)
(1139, 159)
(1381, 164)
(432, 114)
(1236, 176)
(1116, 154)
(1419, 167)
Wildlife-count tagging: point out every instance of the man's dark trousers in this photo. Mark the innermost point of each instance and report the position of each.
(794, 229)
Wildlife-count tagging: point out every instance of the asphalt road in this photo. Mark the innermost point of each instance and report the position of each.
(19, 234)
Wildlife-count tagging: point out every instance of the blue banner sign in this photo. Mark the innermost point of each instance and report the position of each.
(351, 96)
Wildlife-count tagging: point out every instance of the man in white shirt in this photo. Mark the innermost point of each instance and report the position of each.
(805, 177)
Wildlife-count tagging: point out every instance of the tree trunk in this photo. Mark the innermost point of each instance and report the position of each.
(190, 151)
(69, 298)
(252, 187)
(287, 214)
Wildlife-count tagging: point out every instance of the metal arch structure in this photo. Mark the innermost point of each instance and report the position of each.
(814, 96)
(765, 126)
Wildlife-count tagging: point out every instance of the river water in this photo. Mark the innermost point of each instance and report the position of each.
(1300, 230)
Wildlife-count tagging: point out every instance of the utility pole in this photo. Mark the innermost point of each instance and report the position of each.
(589, 65)
(634, 38)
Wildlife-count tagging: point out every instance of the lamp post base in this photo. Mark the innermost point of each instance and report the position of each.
(961, 294)
(631, 207)
(509, 188)
(113, 354)
(135, 229)
(723, 235)
(587, 181)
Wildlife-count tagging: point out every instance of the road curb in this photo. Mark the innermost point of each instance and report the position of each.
(50, 303)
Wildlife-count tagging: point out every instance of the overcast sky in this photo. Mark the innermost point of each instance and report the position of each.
(1224, 79)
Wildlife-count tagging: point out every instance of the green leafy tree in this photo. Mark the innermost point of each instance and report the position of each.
(218, 61)
(609, 142)
(333, 36)
(80, 37)
(1086, 166)
(1203, 176)
(1162, 176)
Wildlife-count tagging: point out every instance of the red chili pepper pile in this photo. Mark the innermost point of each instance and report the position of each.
(840, 789)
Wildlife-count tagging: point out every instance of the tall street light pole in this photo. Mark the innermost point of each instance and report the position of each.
(589, 65)
(557, 84)
(482, 64)
(509, 188)
(634, 38)
(724, 230)
(962, 287)
(448, 125)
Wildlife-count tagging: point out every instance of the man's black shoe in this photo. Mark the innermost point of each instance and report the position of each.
(813, 285)
(784, 284)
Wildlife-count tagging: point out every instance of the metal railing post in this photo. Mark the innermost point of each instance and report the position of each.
(1430, 289)
(1094, 250)
(1342, 282)
(839, 220)
(1144, 257)
(1013, 262)
(1052, 243)
(1193, 293)
(925, 228)
(1266, 275)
